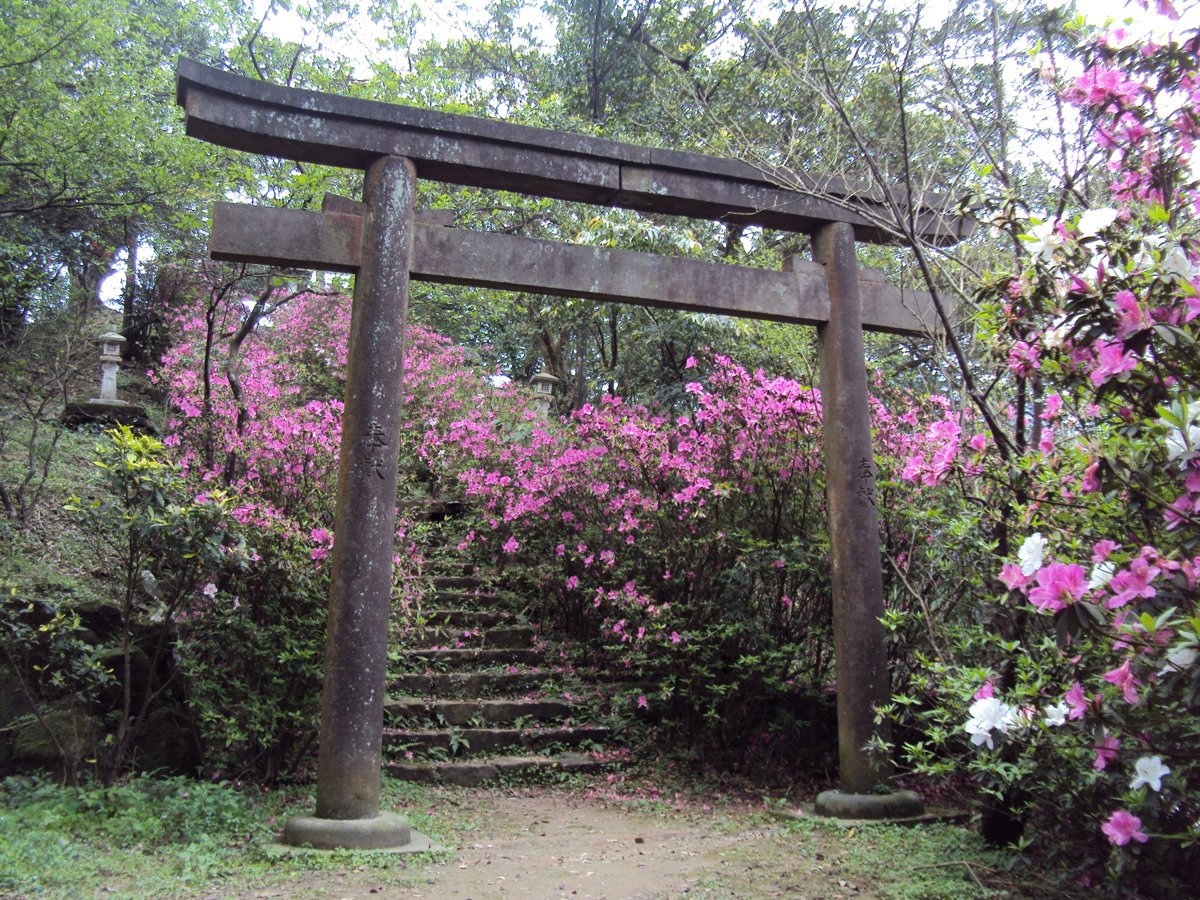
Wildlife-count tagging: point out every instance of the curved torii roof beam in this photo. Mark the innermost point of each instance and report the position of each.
(308, 126)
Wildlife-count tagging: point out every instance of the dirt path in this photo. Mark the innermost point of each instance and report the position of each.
(546, 843)
(552, 846)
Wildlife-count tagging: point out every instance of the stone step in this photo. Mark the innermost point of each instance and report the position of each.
(457, 582)
(470, 684)
(489, 740)
(461, 712)
(460, 658)
(469, 773)
(440, 510)
(470, 618)
(508, 638)
(479, 598)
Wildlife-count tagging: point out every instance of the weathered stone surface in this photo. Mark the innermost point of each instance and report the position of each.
(253, 115)
(468, 684)
(831, 293)
(798, 295)
(107, 413)
(462, 712)
(35, 744)
(356, 652)
(457, 582)
(858, 636)
(896, 805)
(470, 773)
(475, 657)
(474, 599)
(385, 831)
(489, 740)
(497, 638)
(467, 774)
(276, 236)
(473, 618)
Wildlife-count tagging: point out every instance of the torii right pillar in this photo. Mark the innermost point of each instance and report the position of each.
(863, 683)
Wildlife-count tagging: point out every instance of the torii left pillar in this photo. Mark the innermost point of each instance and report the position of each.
(858, 634)
(350, 762)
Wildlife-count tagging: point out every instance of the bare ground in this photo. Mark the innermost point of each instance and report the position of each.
(577, 844)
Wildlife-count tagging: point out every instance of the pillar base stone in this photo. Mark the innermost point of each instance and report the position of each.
(896, 805)
(387, 831)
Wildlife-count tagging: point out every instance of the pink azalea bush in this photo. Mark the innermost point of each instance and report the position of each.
(277, 446)
(1092, 624)
(251, 652)
(688, 549)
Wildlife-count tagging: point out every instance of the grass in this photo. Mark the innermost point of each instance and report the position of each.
(943, 861)
(155, 837)
(160, 837)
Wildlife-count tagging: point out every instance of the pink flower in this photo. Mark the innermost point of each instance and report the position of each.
(572, 582)
(1167, 9)
(1123, 827)
(1077, 700)
(675, 637)
(511, 545)
(1023, 359)
(1106, 752)
(1102, 549)
(1098, 86)
(1112, 360)
(1123, 678)
(987, 690)
(1013, 578)
(643, 703)
(1058, 586)
(1131, 318)
(1053, 407)
(1131, 583)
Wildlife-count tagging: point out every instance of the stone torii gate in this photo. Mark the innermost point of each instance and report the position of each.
(384, 242)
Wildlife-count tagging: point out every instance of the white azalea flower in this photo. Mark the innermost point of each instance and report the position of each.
(1181, 444)
(988, 715)
(1043, 239)
(1176, 262)
(1031, 553)
(1054, 337)
(1022, 718)
(1150, 771)
(1057, 714)
(1102, 574)
(1181, 658)
(1093, 221)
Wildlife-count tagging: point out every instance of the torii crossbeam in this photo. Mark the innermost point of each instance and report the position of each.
(385, 243)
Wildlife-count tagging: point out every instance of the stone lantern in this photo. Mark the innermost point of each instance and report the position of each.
(543, 389)
(110, 359)
(107, 410)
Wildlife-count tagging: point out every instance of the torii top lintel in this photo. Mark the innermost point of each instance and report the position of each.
(308, 126)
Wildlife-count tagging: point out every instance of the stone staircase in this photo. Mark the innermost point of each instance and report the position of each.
(474, 696)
